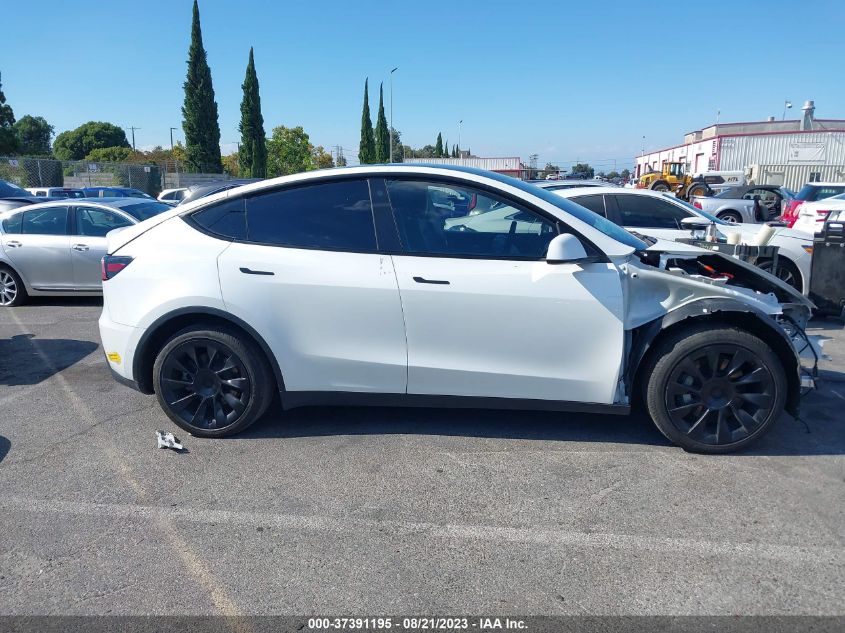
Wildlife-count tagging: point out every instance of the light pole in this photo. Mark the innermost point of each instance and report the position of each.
(786, 104)
(391, 112)
(459, 137)
(171, 138)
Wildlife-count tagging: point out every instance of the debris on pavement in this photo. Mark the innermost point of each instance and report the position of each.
(168, 440)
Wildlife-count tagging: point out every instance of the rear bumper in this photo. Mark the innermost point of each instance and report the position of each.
(119, 343)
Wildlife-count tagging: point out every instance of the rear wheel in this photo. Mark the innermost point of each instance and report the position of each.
(714, 389)
(732, 217)
(696, 190)
(212, 382)
(12, 291)
(786, 272)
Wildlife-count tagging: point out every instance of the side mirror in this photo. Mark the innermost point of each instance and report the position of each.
(695, 222)
(565, 248)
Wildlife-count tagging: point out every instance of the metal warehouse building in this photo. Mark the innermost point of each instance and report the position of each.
(788, 153)
(511, 166)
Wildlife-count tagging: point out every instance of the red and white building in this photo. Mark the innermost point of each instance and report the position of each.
(788, 153)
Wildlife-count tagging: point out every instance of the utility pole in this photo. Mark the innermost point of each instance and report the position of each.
(133, 128)
(460, 123)
(391, 112)
(171, 138)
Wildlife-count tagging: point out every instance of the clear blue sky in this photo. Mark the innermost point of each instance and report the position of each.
(565, 80)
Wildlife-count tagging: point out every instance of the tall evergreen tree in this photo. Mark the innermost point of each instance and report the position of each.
(367, 146)
(8, 138)
(382, 131)
(252, 154)
(199, 112)
(438, 146)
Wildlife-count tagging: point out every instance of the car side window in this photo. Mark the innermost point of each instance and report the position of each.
(93, 222)
(52, 221)
(12, 224)
(594, 203)
(649, 212)
(453, 220)
(331, 216)
(226, 219)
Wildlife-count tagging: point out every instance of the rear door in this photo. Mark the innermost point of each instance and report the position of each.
(41, 248)
(304, 270)
(88, 244)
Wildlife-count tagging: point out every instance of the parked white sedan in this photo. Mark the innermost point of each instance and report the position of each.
(659, 215)
(356, 287)
(812, 215)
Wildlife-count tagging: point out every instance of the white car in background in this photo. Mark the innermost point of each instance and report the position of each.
(349, 287)
(659, 215)
(812, 215)
(172, 196)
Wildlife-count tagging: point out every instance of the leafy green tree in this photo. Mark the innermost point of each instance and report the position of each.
(382, 134)
(625, 174)
(398, 148)
(321, 159)
(367, 146)
(109, 154)
(231, 164)
(8, 138)
(583, 170)
(77, 144)
(289, 151)
(34, 135)
(199, 112)
(252, 155)
(438, 146)
(456, 153)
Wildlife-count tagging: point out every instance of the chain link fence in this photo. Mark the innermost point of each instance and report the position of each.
(47, 172)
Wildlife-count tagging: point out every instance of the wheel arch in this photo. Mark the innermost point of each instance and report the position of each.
(5, 263)
(157, 334)
(731, 210)
(717, 312)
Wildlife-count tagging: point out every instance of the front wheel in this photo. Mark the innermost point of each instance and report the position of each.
(660, 185)
(212, 382)
(714, 389)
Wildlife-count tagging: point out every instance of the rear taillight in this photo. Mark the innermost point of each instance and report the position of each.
(111, 265)
(696, 204)
(790, 212)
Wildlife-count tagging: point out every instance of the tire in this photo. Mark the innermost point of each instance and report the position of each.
(787, 272)
(732, 217)
(12, 290)
(713, 412)
(696, 190)
(659, 185)
(212, 381)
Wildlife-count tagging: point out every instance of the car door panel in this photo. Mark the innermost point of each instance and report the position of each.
(88, 244)
(39, 252)
(516, 329)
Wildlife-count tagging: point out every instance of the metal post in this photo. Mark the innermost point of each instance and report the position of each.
(459, 137)
(391, 112)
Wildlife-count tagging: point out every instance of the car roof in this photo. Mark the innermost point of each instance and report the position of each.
(586, 182)
(824, 184)
(580, 191)
(105, 203)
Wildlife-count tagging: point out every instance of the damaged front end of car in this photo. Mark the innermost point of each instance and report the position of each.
(670, 284)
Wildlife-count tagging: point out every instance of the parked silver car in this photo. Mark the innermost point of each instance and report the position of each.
(750, 204)
(55, 248)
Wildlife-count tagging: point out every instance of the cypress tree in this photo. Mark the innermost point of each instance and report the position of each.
(199, 112)
(438, 147)
(367, 146)
(252, 155)
(382, 131)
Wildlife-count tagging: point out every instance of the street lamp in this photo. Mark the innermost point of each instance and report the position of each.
(391, 112)
(459, 137)
(786, 104)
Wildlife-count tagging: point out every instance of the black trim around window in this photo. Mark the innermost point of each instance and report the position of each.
(388, 241)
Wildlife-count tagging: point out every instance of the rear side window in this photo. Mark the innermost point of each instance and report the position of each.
(809, 193)
(331, 216)
(648, 212)
(226, 219)
(13, 224)
(52, 221)
(594, 203)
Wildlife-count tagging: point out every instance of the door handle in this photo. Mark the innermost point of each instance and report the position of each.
(439, 282)
(13, 244)
(80, 247)
(249, 271)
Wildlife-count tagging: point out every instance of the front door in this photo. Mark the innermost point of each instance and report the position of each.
(486, 315)
(308, 277)
(39, 247)
(88, 243)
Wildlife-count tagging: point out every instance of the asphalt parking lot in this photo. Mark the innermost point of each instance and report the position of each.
(368, 511)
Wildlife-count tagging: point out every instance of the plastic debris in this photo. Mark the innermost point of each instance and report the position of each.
(168, 440)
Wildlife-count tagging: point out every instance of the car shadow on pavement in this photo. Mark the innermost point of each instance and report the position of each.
(25, 360)
(820, 431)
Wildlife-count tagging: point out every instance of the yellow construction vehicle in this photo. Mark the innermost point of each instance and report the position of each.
(674, 178)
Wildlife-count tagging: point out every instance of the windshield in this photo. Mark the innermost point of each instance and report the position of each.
(585, 215)
(145, 210)
(8, 190)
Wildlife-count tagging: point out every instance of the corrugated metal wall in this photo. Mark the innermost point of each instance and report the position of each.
(737, 152)
(796, 176)
(492, 164)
